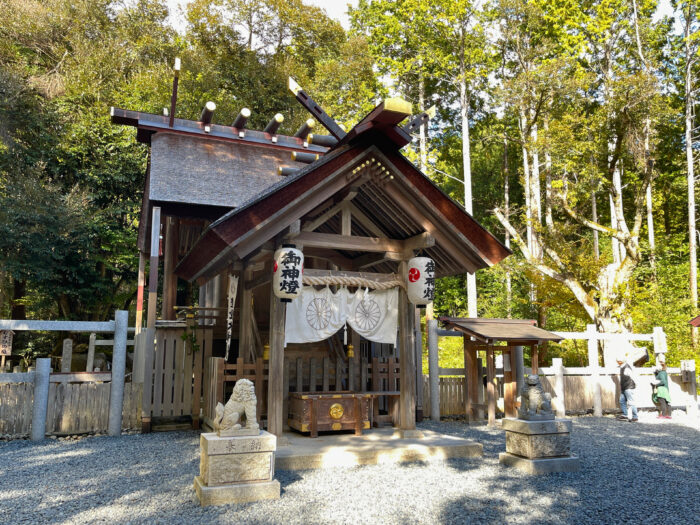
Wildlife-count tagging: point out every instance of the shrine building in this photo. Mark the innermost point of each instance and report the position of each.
(312, 254)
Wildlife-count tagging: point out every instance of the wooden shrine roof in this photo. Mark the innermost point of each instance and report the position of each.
(387, 189)
(491, 331)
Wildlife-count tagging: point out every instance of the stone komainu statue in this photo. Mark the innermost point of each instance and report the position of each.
(535, 403)
(240, 407)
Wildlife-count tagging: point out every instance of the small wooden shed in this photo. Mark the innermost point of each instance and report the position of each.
(493, 335)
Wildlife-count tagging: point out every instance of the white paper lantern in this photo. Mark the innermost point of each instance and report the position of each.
(421, 281)
(287, 269)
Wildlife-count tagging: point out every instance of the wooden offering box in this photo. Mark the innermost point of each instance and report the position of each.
(322, 411)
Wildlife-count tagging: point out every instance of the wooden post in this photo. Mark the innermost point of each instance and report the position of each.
(141, 281)
(407, 398)
(245, 323)
(67, 355)
(592, 336)
(480, 387)
(91, 353)
(491, 384)
(418, 343)
(147, 397)
(471, 372)
(509, 379)
(275, 394)
(434, 371)
(172, 234)
(559, 392)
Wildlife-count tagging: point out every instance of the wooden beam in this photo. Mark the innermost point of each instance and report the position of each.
(379, 277)
(258, 281)
(318, 221)
(316, 110)
(345, 220)
(329, 255)
(349, 243)
(370, 259)
(365, 221)
(418, 242)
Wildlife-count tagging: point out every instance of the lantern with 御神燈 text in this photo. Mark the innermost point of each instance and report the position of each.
(287, 269)
(420, 285)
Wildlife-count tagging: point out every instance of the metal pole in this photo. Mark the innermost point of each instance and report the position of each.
(41, 397)
(116, 397)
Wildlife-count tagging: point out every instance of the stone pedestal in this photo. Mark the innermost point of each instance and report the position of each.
(236, 469)
(539, 447)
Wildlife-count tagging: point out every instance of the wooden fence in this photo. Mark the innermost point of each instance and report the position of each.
(78, 404)
(579, 388)
(177, 383)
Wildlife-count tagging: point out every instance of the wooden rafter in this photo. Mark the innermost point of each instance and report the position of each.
(363, 244)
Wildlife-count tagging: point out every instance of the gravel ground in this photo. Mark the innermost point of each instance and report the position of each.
(648, 472)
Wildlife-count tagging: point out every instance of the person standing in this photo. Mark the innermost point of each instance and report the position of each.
(628, 385)
(661, 396)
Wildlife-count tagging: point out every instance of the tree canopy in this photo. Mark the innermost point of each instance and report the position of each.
(569, 120)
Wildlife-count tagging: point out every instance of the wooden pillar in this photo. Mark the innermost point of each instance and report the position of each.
(471, 373)
(434, 367)
(147, 397)
(245, 322)
(519, 369)
(509, 380)
(275, 393)
(418, 344)
(141, 282)
(407, 360)
(491, 384)
(172, 241)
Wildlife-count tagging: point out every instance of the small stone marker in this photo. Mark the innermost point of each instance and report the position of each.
(537, 442)
(67, 355)
(237, 463)
(5, 345)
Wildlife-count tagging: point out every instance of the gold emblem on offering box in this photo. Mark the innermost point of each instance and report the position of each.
(336, 411)
(336, 426)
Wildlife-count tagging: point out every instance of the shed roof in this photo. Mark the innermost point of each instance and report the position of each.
(492, 331)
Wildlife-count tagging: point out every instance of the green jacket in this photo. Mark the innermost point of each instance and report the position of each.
(661, 389)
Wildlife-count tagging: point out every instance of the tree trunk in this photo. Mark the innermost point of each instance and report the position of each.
(423, 144)
(466, 161)
(506, 211)
(692, 235)
(18, 309)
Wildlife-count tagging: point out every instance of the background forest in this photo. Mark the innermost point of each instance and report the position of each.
(573, 123)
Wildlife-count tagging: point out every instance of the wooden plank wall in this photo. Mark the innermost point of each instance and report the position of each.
(578, 391)
(73, 408)
(177, 372)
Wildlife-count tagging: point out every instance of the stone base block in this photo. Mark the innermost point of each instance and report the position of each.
(540, 465)
(538, 445)
(408, 434)
(236, 493)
